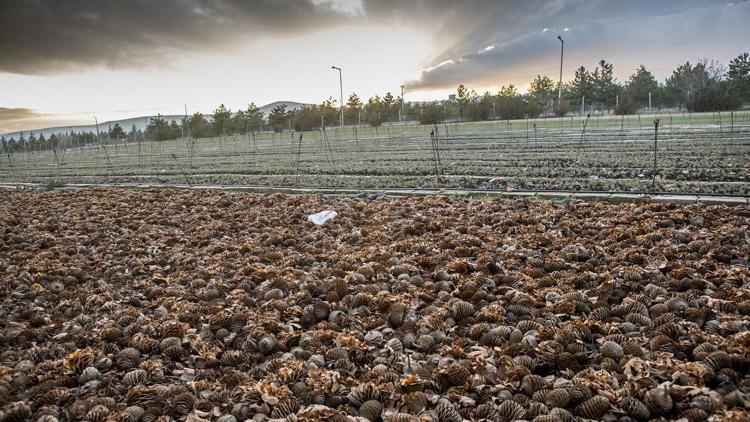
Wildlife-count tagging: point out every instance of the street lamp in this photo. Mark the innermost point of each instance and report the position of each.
(559, 89)
(341, 90)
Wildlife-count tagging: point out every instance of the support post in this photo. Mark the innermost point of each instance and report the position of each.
(656, 137)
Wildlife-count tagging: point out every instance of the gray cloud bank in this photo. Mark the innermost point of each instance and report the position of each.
(50, 36)
(658, 34)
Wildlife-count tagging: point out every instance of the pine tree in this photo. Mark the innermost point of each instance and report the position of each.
(581, 86)
(199, 126)
(255, 118)
(542, 88)
(330, 112)
(603, 85)
(374, 111)
(739, 75)
(389, 107)
(279, 118)
(464, 96)
(220, 122)
(116, 132)
(639, 85)
(353, 109)
(158, 129)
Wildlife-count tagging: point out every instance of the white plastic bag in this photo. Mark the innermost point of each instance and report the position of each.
(321, 217)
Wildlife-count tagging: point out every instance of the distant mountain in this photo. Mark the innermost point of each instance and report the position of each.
(139, 122)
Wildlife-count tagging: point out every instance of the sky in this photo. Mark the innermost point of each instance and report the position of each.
(66, 62)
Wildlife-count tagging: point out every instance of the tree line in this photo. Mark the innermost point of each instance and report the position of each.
(700, 87)
(703, 86)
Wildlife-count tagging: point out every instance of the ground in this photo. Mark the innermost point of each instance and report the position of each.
(131, 304)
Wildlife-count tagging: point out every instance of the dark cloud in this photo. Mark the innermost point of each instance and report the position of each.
(658, 34)
(50, 36)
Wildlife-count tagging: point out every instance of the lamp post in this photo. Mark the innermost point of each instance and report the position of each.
(559, 88)
(341, 91)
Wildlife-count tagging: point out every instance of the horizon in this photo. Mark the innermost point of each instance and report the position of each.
(262, 52)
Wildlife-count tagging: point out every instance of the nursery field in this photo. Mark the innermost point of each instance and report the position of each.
(696, 153)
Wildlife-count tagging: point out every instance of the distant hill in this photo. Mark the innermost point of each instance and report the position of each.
(139, 122)
(290, 106)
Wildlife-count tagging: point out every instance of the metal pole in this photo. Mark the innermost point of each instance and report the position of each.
(559, 89)
(656, 136)
(583, 105)
(341, 91)
(97, 129)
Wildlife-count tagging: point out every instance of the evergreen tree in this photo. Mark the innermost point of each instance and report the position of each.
(739, 75)
(133, 133)
(353, 109)
(278, 119)
(306, 117)
(54, 141)
(221, 120)
(199, 126)
(701, 88)
(542, 92)
(116, 132)
(389, 107)
(603, 85)
(255, 118)
(239, 122)
(464, 96)
(481, 109)
(158, 129)
(174, 129)
(510, 105)
(638, 87)
(581, 86)
(374, 111)
(433, 113)
(677, 86)
(627, 104)
(330, 112)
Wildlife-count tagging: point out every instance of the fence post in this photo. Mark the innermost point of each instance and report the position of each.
(656, 136)
(299, 152)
